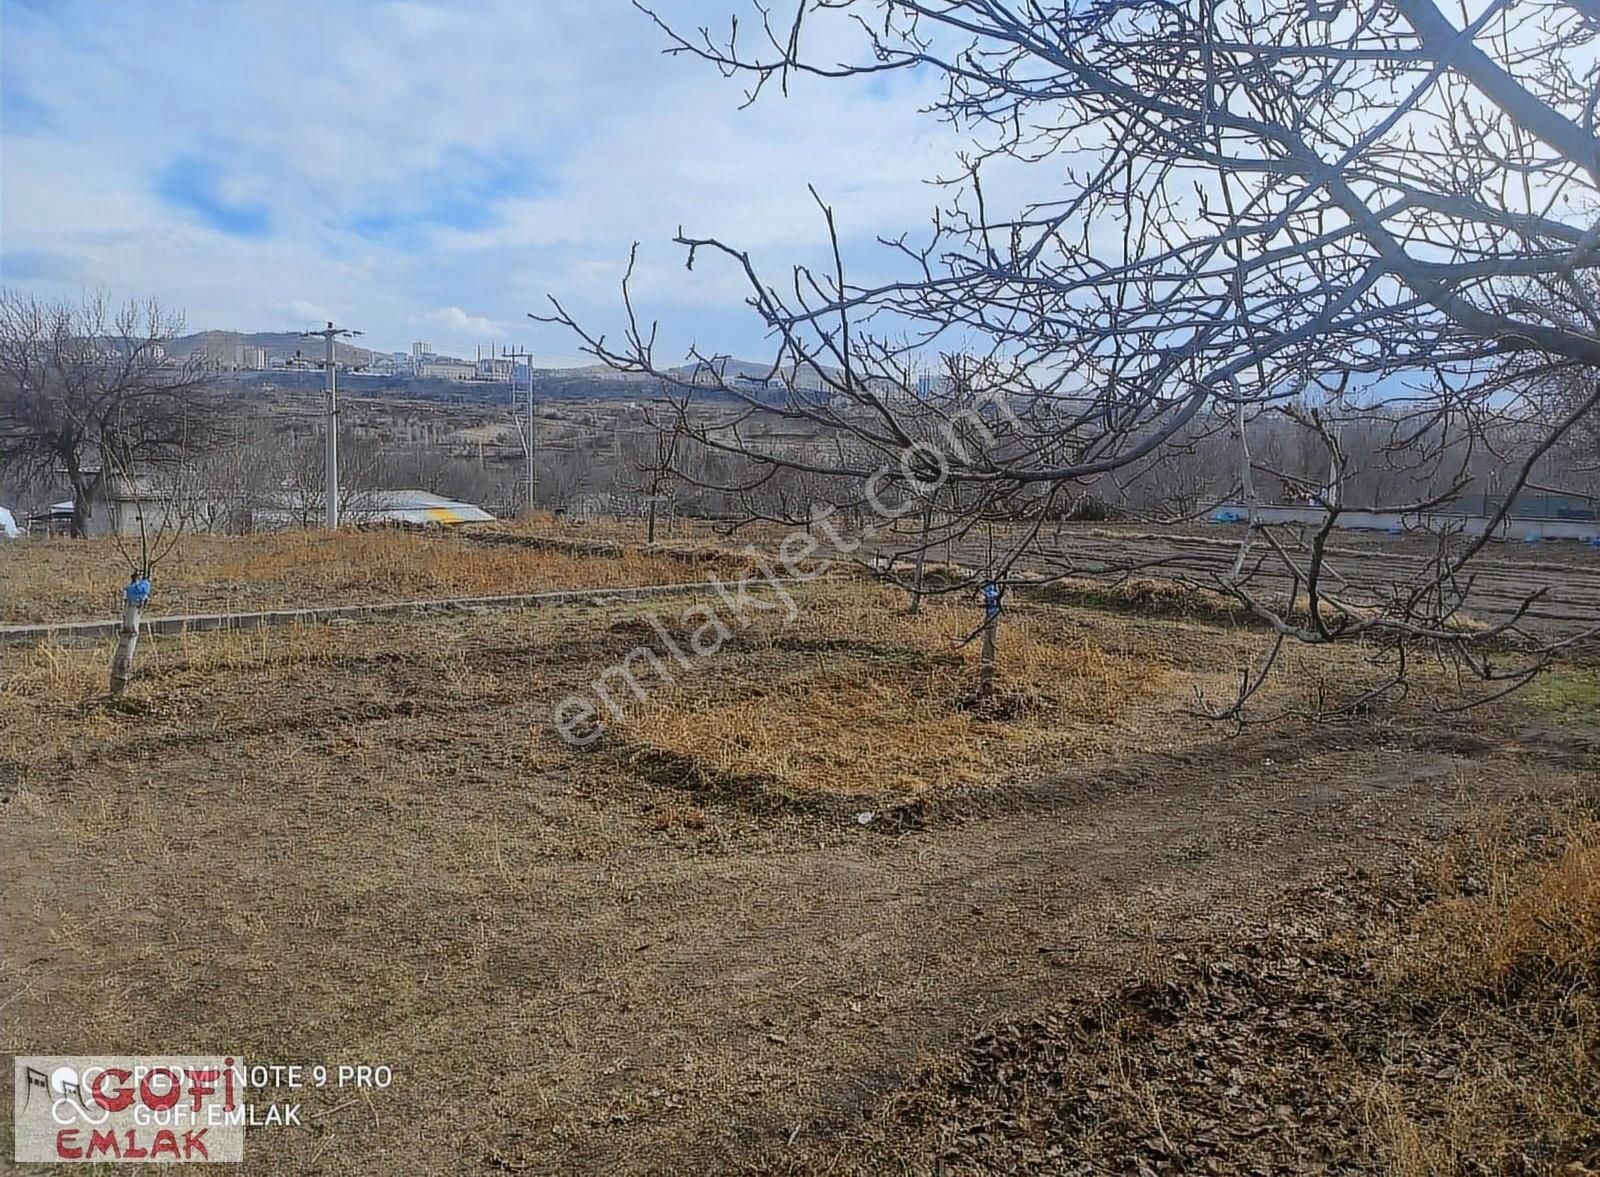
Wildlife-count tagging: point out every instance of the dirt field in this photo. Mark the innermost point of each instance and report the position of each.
(1366, 566)
(65, 580)
(670, 951)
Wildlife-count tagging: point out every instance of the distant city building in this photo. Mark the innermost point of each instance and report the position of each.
(494, 368)
(445, 368)
(379, 364)
(249, 358)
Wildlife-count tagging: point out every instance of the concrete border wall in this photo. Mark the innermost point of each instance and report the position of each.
(205, 622)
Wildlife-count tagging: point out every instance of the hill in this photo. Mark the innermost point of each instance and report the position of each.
(279, 345)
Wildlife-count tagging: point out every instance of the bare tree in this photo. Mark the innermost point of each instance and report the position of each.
(650, 461)
(301, 475)
(84, 384)
(239, 479)
(1236, 205)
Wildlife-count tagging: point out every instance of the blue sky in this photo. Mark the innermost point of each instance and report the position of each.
(427, 171)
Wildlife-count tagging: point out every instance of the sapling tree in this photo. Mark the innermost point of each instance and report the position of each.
(164, 505)
(89, 392)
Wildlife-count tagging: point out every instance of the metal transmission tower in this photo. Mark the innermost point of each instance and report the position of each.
(331, 408)
(529, 437)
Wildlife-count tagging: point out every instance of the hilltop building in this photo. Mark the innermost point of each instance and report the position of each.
(432, 367)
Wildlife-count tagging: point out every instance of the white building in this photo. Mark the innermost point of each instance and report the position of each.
(445, 368)
(249, 358)
(494, 368)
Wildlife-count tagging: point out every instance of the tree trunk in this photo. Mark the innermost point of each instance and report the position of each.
(82, 504)
(991, 640)
(922, 555)
(127, 642)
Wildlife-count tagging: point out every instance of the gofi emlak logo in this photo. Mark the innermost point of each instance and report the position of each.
(150, 1108)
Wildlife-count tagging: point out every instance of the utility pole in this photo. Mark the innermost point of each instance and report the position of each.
(529, 438)
(331, 409)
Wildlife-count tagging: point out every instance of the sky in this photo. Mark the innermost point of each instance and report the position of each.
(432, 171)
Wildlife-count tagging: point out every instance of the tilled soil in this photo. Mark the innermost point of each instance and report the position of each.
(1561, 577)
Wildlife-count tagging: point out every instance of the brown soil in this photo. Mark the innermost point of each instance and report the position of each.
(1360, 1028)
(368, 847)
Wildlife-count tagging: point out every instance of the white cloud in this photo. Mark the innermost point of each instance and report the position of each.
(416, 159)
(456, 320)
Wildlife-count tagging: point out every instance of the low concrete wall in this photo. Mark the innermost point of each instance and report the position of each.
(204, 622)
(1435, 521)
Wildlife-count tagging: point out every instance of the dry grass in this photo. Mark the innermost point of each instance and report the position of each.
(879, 701)
(1366, 1028)
(414, 861)
(858, 696)
(1163, 597)
(51, 694)
(1521, 925)
(50, 671)
(61, 579)
(1505, 965)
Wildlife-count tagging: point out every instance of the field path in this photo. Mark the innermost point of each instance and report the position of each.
(772, 994)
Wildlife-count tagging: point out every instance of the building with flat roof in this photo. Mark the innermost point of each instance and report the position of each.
(445, 368)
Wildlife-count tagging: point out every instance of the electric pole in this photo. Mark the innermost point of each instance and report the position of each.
(529, 437)
(331, 409)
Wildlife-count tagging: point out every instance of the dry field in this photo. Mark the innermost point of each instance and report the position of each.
(856, 697)
(62, 580)
(1565, 574)
(1436, 1020)
(682, 949)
